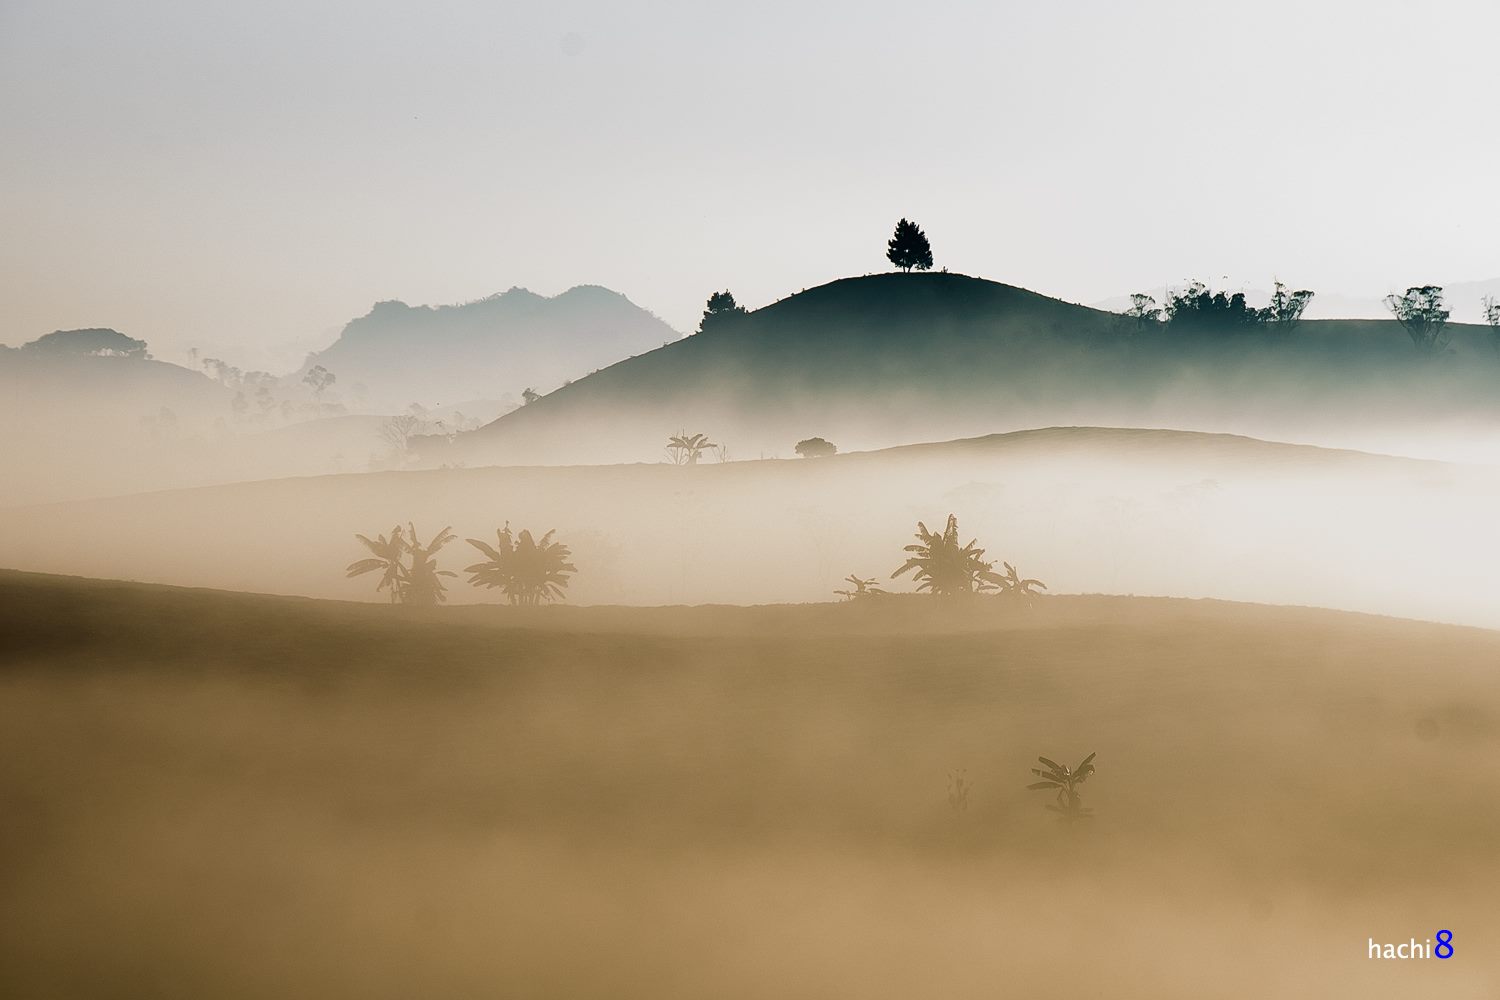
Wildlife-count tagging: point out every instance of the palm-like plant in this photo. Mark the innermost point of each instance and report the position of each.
(424, 583)
(1069, 803)
(1015, 587)
(860, 588)
(526, 570)
(386, 557)
(945, 568)
(686, 449)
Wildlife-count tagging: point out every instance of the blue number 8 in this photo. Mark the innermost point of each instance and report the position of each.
(1444, 940)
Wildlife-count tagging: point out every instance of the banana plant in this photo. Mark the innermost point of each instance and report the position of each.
(386, 557)
(1014, 587)
(686, 449)
(945, 568)
(1069, 803)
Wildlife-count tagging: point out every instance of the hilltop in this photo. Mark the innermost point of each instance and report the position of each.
(489, 349)
(892, 358)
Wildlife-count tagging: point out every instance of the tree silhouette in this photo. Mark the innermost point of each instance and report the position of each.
(1069, 803)
(908, 247)
(415, 581)
(1421, 311)
(946, 569)
(1143, 309)
(686, 449)
(861, 588)
(1492, 317)
(319, 378)
(525, 570)
(1286, 308)
(720, 312)
(386, 557)
(423, 579)
(1012, 586)
(816, 448)
(529, 396)
(1199, 308)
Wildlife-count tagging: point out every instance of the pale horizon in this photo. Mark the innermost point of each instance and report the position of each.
(247, 181)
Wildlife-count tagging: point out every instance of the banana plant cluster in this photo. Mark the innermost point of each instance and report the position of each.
(526, 570)
(407, 568)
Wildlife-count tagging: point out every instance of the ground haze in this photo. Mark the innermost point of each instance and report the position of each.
(239, 796)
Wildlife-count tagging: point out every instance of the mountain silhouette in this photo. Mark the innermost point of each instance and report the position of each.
(891, 358)
(487, 349)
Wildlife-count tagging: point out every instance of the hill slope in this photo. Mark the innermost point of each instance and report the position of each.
(487, 349)
(1085, 509)
(892, 358)
(211, 794)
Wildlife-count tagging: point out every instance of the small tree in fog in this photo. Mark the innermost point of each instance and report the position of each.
(1421, 311)
(1144, 310)
(816, 448)
(945, 568)
(908, 247)
(1286, 308)
(529, 396)
(1069, 802)
(959, 787)
(386, 558)
(686, 449)
(1015, 588)
(525, 570)
(408, 569)
(424, 583)
(399, 430)
(319, 378)
(1492, 317)
(720, 312)
(859, 588)
(1199, 308)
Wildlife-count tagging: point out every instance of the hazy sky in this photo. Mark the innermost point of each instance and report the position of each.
(256, 174)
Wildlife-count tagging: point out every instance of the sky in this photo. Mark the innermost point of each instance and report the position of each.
(246, 177)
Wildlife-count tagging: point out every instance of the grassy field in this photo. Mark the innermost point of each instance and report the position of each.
(212, 794)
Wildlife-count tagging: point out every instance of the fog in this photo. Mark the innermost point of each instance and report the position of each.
(210, 793)
(1085, 511)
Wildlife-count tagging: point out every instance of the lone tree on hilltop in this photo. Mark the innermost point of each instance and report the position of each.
(720, 311)
(908, 247)
(1421, 311)
(816, 448)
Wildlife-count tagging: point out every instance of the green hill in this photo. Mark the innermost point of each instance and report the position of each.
(894, 358)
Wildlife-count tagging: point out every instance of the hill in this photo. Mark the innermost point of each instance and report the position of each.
(488, 349)
(76, 410)
(892, 358)
(1086, 509)
(220, 794)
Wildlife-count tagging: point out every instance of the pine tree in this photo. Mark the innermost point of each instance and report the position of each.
(908, 247)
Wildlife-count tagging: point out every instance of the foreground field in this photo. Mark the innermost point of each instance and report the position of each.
(208, 794)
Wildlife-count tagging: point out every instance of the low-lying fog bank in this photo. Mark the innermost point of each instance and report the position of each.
(1085, 510)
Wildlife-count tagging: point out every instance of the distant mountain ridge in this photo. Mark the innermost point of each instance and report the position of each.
(489, 348)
